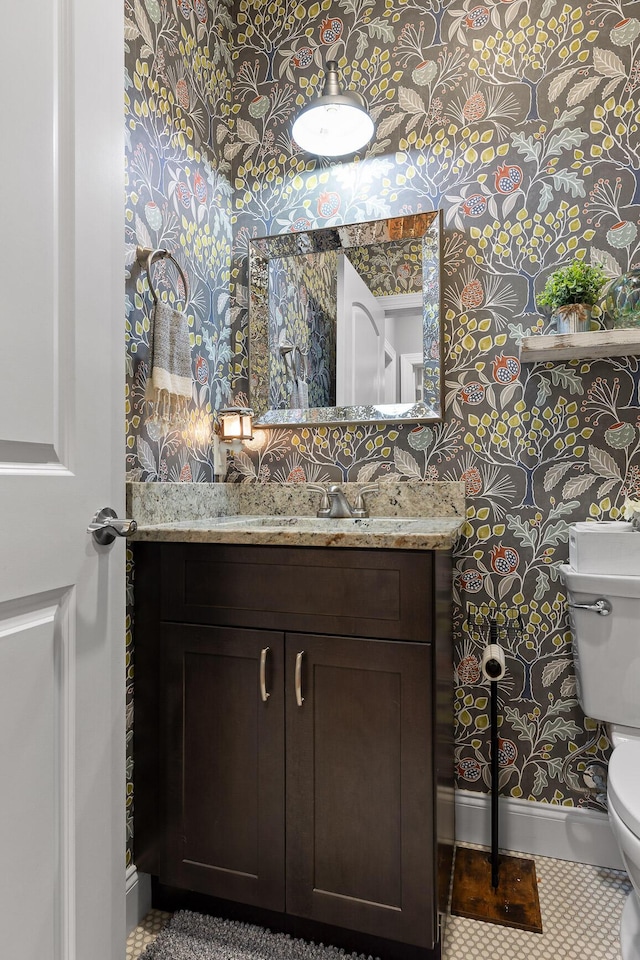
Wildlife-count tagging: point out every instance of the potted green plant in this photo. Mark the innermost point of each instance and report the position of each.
(570, 293)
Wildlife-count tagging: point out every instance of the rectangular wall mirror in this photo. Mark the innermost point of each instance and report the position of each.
(344, 323)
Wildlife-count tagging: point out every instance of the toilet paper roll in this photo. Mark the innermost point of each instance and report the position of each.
(493, 663)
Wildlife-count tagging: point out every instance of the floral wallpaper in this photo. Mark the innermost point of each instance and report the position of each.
(390, 269)
(178, 198)
(302, 339)
(177, 106)
(520, 122)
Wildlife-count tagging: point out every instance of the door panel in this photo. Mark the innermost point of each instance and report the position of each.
(360, 340)
(360, 849)
(353, 747)
(34, 691)
(224, 763)
(29, 264)
(62, 674)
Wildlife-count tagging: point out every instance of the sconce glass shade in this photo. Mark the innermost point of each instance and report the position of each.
(336, 123)
(236, 423)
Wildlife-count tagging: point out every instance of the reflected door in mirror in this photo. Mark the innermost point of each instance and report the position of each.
(361, 340)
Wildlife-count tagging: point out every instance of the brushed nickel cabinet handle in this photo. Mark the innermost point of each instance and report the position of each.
(263, 674)
(299, 697)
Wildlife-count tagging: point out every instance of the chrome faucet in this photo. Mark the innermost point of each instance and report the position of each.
(334, 504)
(339, 506)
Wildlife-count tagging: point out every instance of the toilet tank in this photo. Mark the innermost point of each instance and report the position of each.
(606, 649)
(604, 547)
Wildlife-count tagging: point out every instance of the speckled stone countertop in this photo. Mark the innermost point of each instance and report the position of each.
(411, 515)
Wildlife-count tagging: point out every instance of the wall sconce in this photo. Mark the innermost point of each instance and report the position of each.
(236, 425)
(335, 123)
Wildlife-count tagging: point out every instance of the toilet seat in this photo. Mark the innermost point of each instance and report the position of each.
(618, 733)
(623, 786)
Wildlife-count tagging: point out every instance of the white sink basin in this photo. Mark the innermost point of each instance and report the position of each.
(373, 524)
(605, 548)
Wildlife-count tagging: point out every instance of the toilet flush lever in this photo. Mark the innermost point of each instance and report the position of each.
(106, 526)
(601, 606)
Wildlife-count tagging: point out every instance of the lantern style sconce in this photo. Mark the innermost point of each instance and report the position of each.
(236, 425)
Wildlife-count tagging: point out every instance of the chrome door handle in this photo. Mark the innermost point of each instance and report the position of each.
(298, 678)
(106, 526)
(264, 695)
(601, 606)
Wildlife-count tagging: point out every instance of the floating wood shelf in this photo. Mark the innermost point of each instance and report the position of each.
(594, 345)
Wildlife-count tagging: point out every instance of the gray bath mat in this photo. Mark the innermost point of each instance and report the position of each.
(194, 936)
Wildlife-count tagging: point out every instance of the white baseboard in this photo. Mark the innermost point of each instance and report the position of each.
(138, 897)
(525, 826)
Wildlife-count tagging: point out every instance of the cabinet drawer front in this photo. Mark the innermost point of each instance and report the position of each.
(223, 718)
(360, 840)
(374, 593)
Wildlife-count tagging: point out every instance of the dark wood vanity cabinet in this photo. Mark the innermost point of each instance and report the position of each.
(293, 731)
(224, 763)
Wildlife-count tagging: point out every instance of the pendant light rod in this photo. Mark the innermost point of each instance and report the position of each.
(332, 80)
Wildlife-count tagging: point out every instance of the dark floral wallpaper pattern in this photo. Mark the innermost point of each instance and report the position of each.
(178, 197)
(302, 339)
(520, 121)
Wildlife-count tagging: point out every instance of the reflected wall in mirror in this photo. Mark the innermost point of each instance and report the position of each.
(344, 323)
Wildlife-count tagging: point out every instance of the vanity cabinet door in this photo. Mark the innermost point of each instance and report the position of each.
(224, 762)
(359, 816)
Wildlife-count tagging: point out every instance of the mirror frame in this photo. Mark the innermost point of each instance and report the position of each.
(427, 226)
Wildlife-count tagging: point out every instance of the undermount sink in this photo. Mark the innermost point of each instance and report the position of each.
(373, 524)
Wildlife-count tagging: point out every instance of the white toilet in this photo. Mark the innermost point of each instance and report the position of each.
(605, 622)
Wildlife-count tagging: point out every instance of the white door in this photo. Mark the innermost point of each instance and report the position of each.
(62, 761)
(359, 341)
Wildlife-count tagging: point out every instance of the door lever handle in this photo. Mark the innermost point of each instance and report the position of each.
(106, 526)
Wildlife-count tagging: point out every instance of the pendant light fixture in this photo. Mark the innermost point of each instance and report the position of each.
(334, 124)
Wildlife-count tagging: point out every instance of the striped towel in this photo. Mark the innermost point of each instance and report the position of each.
(168, 388)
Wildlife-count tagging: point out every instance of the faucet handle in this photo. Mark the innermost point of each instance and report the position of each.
(360, 509)
(325, 506)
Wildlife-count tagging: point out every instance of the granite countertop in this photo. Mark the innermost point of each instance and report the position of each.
(416, 533)
(405, 515)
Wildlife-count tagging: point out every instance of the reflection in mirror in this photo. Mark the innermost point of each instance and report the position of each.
(345, 323)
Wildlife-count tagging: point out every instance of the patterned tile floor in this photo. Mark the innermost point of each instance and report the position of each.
(145, 933)
(580, 905)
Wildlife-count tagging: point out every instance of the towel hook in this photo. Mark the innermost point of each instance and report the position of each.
(149, 254)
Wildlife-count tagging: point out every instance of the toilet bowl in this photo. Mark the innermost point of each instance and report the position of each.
(623, 798)
(607, 663)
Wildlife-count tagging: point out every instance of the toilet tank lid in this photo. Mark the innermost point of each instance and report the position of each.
(623, 784)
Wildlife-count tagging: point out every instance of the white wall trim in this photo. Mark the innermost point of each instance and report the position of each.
(526, 826)
(138, 896)
(401, 301)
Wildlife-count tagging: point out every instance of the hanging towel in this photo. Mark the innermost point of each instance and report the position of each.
(300, 388)
(169, 382)
(302, 394)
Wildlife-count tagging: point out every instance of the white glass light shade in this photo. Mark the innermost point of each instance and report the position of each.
(332, 129)
(236, 424)
(336, 123)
